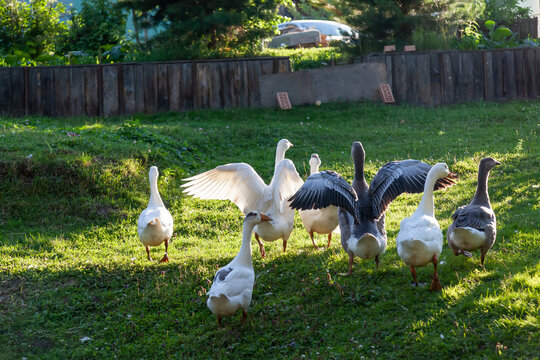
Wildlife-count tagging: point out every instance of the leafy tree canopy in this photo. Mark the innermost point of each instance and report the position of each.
(197, 28)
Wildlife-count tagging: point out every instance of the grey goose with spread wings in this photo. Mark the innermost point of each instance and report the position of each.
(362, 206)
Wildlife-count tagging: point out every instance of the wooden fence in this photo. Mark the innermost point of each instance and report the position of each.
(449, 77)
(128, 88)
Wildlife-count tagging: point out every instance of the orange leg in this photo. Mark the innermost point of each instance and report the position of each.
(329, 239)
(244, 316)
(220, 324)
(413, 273)
(261, 246)
(351, 259)
(377, 262)
(435, 283)
(148, 253)
(313, 241)
(165, 257)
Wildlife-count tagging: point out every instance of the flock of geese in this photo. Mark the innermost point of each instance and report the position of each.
(324, 201)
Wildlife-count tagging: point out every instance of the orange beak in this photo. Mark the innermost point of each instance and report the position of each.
(265, 217)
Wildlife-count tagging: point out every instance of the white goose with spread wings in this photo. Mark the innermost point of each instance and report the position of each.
(239, 183)
(474, 226)
(361, 207)
(322, 221)
(232, 287)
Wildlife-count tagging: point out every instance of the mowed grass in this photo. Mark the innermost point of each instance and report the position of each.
(75, 282)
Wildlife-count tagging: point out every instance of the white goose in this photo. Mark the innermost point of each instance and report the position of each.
(420, 238)
(322, 221)
(232, 287)
(239, 183)
(155, 223)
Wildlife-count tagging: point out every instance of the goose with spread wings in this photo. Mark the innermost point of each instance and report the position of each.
(240, 183)
(361, 207)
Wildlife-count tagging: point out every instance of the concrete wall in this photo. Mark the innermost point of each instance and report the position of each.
(353, 82)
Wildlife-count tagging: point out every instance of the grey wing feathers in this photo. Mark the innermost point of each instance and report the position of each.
(477, 217)
(323, 189)
(398, 177)
(221, 275)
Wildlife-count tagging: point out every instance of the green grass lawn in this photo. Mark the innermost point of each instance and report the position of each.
(75, 282)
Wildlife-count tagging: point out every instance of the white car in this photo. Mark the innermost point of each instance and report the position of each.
(333, 30)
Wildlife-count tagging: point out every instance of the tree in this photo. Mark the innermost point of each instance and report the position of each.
(31, 28)
(199, 28)
(99, 26)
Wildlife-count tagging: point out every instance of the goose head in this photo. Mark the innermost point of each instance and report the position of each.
(283, 145)
(440, 170)
(314, 163)
(153, 173)
(488, 163)
(255, 217)
(357, 152)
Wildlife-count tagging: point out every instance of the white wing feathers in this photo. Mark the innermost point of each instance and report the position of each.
(285, 183)
(237, 182)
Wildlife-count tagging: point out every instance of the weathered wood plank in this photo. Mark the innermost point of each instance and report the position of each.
(489, 81)
(447, 79)
(61, 91)
(478, 76)
(91, 91)
(510, 91)
(47, 92)
(186, 93)
(174, 71)
(498, 82)
(5, 91)
(412, 79)
(76, 80)
(424, 81)
(110, 91)
(254, 75)
(163, 87)
(138, 78)
(128, 89)
(214, 85)
(34, 78)
(531, 73)
(466, 77)
(17, 91)
(435, 77)
(150, 85)
(521, 78)
(399, 75)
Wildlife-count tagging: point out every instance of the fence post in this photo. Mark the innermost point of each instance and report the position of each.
(100, 89)
(194, 84)
(26, 91)
(121, 107)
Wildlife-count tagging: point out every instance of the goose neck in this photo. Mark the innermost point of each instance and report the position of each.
(427, 206)
(244, 255)
(481, 196)
(314, 169)
(155, 198)
(280, 155)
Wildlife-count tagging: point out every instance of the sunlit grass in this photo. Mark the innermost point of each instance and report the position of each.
(72, 267)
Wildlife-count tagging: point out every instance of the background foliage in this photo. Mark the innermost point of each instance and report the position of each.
(42, 32)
